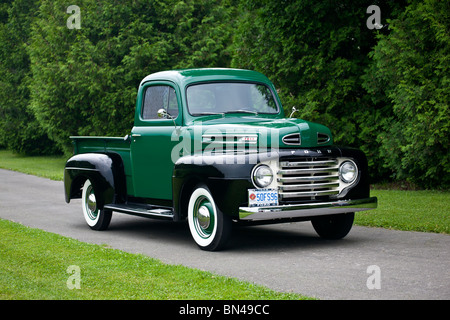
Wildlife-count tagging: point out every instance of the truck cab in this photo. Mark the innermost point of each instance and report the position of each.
(213, 147)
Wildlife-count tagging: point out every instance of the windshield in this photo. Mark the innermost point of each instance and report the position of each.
(230, 97)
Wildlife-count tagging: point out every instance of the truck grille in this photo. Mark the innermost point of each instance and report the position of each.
(306, 179)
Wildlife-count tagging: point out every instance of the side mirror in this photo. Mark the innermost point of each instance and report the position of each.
(294, 110)
(163, 114)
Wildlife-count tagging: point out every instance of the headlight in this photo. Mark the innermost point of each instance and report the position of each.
(262, 176)
(348, 171)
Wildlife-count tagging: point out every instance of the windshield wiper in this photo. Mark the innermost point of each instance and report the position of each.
(208, 114)
(242, 111)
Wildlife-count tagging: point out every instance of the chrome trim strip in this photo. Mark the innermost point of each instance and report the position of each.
(308, 186)
(321, 136)
(233, 138)
(292, 139)
(307, 170)
(304, 179)
(79, 168)
(306, 209)
(152, 213)
(311, 193)
(296, 164)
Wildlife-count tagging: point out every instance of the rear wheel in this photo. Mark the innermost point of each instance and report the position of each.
(97, 219)
(333, 226)
(209, 227)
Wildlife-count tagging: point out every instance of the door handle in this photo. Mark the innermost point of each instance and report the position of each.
(136, 135)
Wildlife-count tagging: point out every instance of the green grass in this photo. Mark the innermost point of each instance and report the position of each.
(34, 263)
(51, 167)
(427, 211)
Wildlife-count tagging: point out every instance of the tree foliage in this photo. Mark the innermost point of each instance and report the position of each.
(19, 129)
(410, 74)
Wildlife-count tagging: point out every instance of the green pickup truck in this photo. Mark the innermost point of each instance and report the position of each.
(212, 146)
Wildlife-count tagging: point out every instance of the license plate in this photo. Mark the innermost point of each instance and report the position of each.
(262, 197)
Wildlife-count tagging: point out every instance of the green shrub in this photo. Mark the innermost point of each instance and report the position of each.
(19, 129)
(410, 73)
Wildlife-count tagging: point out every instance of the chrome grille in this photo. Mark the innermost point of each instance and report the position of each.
(308, 178)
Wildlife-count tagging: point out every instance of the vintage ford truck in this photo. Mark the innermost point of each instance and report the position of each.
(213, 147)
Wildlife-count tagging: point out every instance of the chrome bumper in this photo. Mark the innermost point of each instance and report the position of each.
(307, 209)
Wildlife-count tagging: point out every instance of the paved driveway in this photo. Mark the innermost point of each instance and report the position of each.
(370, 263)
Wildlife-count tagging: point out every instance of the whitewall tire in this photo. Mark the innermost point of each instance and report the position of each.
(97, 219)
(209, 227)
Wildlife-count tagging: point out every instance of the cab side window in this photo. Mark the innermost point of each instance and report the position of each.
(159, 97)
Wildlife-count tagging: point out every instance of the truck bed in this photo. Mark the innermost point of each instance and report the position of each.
(96, 144)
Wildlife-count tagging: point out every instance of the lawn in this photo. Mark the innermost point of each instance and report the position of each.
(425, 210)
(34, 264)
(51, 167)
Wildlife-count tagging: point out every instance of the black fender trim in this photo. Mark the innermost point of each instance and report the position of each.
(361, 189)
(227, 181)
(105, 171)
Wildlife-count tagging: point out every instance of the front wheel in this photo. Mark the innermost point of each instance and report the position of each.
(209, 227)
(97, 219)
(333, 226)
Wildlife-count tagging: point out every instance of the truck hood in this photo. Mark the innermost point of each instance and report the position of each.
(263, 132)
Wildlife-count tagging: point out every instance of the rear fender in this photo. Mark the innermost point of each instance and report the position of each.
(105, 171)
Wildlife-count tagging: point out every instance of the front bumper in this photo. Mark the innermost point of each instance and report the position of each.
(306, 210)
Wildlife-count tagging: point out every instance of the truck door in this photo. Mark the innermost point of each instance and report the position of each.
(151, 140)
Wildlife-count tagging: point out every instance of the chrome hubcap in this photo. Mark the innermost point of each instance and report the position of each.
(203, 217)
(92, 202)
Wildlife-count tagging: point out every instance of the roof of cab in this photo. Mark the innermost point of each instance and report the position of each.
(187, 76)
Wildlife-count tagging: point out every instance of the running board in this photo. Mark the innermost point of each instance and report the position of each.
(142, 211)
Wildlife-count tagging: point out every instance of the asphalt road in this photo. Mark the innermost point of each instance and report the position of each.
(370, 263)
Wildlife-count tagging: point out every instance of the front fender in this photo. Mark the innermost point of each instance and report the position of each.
(101, 169)
(227, 177)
